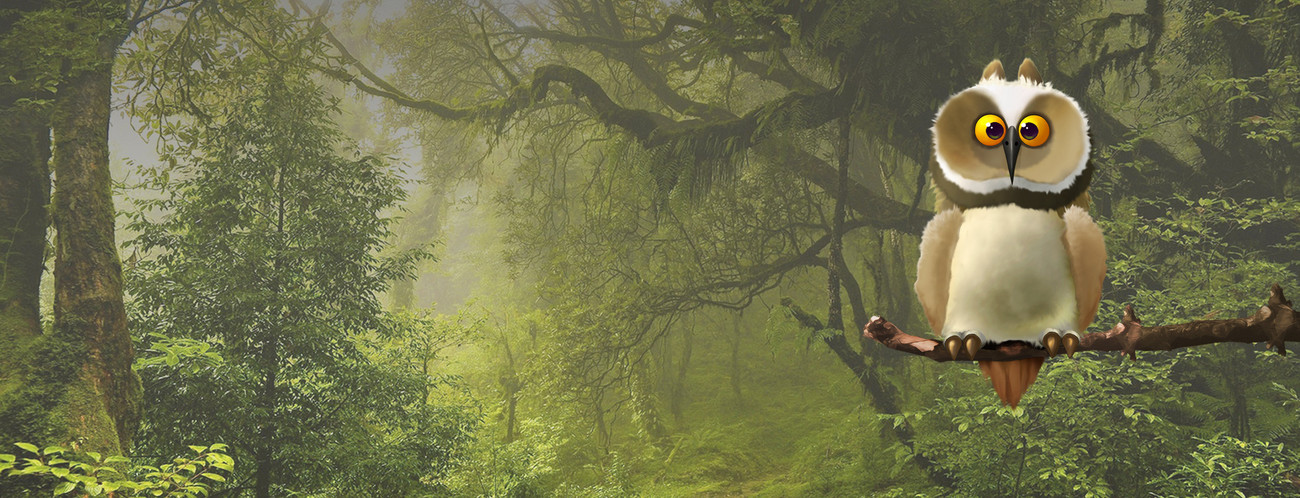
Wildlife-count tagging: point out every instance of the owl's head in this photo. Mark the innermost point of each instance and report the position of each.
(1011, 142)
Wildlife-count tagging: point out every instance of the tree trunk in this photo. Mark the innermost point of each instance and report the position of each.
(268, 398)
(510, 387)
(737, 336)
(24, 193)
(266, 435)
(678, 401)
(512, 402)
(87, 272)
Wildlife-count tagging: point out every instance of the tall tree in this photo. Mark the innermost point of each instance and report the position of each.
(75, 384)
(266, 252)
(24, 189)
(24, 193)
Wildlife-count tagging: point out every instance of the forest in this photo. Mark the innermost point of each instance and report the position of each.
(599, 248)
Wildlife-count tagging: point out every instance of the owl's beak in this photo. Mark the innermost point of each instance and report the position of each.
(1012, 147)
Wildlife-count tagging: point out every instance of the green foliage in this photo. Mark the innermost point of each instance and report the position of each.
(258, 294)
(518, 469)
(1087, 426)
(1215, 254)
(1227, 466)
(62, 471)
(1272, 23)
(41, 44)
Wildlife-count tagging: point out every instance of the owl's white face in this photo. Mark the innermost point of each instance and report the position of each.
(1002, 137)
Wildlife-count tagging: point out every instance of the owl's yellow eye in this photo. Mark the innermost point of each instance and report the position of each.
(1034, 130)
(990, 129)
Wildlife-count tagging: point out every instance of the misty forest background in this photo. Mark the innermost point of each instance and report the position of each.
(611, 248)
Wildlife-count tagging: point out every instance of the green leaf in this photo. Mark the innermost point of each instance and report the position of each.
(31, 448)
(64, 487)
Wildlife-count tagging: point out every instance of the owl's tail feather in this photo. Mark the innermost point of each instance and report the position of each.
(1012, 378)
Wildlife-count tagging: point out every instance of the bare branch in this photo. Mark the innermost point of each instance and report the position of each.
(139, 16)
(1274, 323)
(492, 55)
(670, 26)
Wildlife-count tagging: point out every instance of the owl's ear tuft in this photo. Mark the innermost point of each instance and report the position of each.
(1029, 71)
(994, 69)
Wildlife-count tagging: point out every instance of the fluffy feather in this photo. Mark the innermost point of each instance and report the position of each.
(1087, 252)
(934, 268)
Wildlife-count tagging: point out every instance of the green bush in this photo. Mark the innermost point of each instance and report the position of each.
(1227, 466)
(94, 475)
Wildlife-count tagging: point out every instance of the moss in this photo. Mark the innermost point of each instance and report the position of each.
(51, 398)
(37, 387)
(51, 383)
(7, 386)
(12, 340)
(90, 428)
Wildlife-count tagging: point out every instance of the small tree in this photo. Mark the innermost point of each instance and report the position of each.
(265, 248)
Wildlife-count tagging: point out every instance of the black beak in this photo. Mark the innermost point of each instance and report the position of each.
(1012, 147)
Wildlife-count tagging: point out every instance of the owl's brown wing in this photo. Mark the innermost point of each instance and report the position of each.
(1087, 250)
(934, 268)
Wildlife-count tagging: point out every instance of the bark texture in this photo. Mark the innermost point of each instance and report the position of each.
(24, 194)
(1275, 323)
(27, 396)
(88, 273)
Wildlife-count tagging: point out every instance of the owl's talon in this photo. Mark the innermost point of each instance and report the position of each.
(953, 344)
(1052, 341)
(973, 344)
(1071, 344)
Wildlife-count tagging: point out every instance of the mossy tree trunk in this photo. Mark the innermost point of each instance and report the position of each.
(88, 301)
(24, 194)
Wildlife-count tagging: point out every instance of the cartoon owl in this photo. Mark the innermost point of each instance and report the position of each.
(1012, 254)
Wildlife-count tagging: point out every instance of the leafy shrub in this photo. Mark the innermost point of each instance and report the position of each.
(1227, 466)
(95, 475)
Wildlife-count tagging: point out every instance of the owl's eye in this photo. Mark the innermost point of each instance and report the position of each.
(990, 129)
(1034, 130)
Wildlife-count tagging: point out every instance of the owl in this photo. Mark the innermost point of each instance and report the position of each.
(1011, 254)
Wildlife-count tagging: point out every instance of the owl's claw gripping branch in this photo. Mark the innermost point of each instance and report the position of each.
(1274, 323)
(953, 345)
(1072, 343)
(957, 344)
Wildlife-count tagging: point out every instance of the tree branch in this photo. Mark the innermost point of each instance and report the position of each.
(881, 211)
(1274, 323)
(670, 26)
